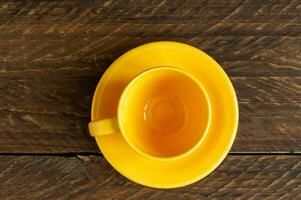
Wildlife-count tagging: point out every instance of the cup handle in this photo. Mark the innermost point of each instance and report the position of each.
(103, 127)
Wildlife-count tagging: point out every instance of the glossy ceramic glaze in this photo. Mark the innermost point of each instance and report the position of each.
(164, 113)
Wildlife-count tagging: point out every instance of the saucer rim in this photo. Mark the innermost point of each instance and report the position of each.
(235, 115)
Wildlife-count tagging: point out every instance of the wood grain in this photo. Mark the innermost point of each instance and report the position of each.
(52, 54)
(239, 177)
(239, 56)
(48, 115)
(51, 115)
(75, 39)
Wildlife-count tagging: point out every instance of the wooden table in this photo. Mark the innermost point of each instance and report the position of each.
(54, 52)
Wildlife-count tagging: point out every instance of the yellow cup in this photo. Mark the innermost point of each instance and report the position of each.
(164, 113)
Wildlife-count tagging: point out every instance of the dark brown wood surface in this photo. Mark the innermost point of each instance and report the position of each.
(241, 177)
(51, 115)
(52, 54)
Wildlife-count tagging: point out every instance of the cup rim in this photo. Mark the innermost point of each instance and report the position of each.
(121, 100)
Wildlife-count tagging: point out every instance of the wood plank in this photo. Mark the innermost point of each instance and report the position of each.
(51, 115)
(46, 115)
(239, 56)
(154, 11)
(269, 127)
(50, 177)
(75, 39)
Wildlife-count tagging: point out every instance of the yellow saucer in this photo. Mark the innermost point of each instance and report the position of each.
(222, 131)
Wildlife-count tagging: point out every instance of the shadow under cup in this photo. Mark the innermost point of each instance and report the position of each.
(164, 113)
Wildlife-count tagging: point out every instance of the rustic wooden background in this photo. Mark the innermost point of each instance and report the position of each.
(52, 54)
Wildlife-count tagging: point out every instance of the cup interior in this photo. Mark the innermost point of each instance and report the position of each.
(164, 113)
